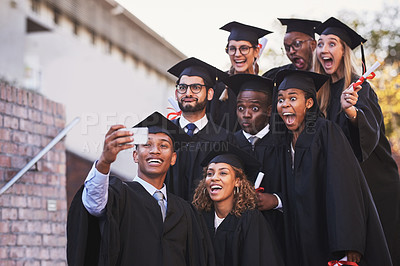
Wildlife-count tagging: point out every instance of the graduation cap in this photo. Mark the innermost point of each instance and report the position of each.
(195, 67)
(309, 82)
(241, 82)
(224, 152)
(157, 123)
(344, 32)
(304, 80)
(300, 25)
(243, 32)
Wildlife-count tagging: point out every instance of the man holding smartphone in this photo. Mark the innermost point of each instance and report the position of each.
(114, 222)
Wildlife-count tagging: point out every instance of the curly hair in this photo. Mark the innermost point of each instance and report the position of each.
(244, 200)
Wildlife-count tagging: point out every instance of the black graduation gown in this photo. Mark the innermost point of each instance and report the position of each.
(262, 152)
(183, 178)
(133, 232)
(327, 205)
(373, 150)
(259, 148)
(273, 71)
(223, 113)
(245, 240)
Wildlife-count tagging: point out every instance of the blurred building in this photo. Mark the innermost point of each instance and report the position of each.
(90, 58)
(94, 57)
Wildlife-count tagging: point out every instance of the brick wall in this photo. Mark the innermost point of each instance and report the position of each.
(30, 233)
(77, 170)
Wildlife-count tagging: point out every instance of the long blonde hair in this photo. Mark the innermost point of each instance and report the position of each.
(349, 72)
(243, 200)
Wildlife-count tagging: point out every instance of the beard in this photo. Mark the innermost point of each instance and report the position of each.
(199, 106)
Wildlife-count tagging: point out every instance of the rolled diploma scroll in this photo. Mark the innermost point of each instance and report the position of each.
(259, 179)
(366, 74)
(174, 104)
(262, 42)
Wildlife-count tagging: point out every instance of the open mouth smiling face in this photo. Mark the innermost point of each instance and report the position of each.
(330, 53)
(156, 156)
(242, 63)
(220, 182)
(291, 108)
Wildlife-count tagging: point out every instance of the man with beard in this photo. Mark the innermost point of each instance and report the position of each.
(299, 43)
(194, 88)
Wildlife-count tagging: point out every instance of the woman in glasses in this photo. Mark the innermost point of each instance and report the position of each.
(243, 51)
(328, 211)
(227, 201)
(358, 113)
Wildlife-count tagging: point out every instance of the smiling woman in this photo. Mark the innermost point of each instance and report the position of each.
(227, 201)
(243, 51)
(358, 113)
(291, 105)
(320, 182)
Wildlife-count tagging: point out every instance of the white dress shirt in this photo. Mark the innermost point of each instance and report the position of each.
(200, 124)
(262, 133)
(217, 221)
(95, 191)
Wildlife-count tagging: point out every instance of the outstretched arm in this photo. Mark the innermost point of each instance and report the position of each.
(95, 192)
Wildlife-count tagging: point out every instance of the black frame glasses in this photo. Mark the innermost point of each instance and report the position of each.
(243, 49)
(295, 45)
(195, 88)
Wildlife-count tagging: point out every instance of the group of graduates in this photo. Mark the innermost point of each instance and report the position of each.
(289, 168)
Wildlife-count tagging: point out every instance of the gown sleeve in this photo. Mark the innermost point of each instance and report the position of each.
(365, 136)
(83, 234)
(259, 245)
(344, 197)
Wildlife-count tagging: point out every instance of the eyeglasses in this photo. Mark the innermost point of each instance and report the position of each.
(296, 45)
(244, 49)
(195, 88)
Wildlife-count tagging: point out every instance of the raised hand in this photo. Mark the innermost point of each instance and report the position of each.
(353, 256)
(266, 201)
(113, 144)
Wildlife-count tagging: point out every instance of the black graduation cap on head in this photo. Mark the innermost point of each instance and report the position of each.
(195, 67)
(240, 82)
(157, 123)
(304, 80)
(344, 32)
(224, 152)
(300, 25)
(243, 32)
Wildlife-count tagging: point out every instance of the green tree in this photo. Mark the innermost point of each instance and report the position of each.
(382, 31)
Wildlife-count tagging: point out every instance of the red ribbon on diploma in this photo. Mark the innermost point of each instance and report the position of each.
(362, 79)
(173, 114)
(260, 189)
(341, 262)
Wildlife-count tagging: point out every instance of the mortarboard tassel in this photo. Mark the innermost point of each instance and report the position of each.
(364, 66)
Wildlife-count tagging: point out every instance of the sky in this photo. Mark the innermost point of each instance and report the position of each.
(193, 26)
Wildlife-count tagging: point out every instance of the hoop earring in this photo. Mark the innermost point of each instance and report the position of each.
(205, 191)
(236, 191)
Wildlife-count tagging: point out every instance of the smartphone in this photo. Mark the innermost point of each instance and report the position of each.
(140, 134)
